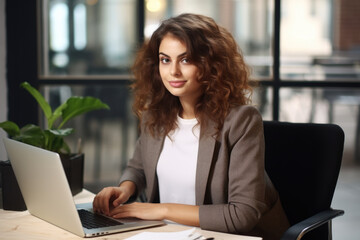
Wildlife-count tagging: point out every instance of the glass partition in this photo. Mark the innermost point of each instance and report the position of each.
(262, 100)
(309, 40)
(87, 37)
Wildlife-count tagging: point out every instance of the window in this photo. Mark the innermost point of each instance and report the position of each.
(82, 38)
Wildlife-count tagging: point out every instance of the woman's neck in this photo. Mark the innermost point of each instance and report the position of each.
(188, 110)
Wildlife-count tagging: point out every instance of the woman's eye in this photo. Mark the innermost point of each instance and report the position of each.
(164, 60)
(185, 60)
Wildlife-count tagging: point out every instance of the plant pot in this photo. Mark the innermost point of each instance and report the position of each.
(74, 169)
(12, 198)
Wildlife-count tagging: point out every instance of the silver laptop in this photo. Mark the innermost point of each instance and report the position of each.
(47, 194)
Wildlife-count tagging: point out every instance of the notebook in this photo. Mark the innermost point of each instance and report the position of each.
(47, 194)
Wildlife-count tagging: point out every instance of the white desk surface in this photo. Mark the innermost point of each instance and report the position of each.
(22, 225)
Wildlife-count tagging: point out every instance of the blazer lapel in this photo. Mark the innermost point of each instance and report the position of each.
(205, 155)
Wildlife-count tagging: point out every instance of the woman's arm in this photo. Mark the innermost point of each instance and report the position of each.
(244, 192)
(180, 213)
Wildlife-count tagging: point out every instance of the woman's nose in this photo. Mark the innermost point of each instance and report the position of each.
(175, 69)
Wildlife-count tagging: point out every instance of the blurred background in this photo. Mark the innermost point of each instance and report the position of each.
(305, 55)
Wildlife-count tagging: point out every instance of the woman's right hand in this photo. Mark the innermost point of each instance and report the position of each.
(111, 197)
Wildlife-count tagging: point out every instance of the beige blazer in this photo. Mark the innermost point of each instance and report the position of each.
(233, 190)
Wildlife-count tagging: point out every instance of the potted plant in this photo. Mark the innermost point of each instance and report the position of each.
(52, 137)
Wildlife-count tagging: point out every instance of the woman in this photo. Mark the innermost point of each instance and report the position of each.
(200, 155)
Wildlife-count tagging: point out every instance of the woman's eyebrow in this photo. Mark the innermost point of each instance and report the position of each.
(161, 53)
(179, 56)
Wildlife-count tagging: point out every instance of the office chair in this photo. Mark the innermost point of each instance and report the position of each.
(303, 161)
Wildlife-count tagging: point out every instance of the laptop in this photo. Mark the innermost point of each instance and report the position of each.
(47, 194)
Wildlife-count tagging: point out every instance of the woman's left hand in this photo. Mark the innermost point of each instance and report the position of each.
(146, 211)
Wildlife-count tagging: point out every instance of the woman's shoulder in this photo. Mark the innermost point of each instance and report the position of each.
(244, 112)
(242, 119)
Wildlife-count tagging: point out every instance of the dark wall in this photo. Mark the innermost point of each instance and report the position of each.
(21, 59)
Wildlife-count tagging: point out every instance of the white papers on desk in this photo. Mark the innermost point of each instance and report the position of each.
(182, 235)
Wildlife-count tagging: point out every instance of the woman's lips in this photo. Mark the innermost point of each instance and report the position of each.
(177, 84)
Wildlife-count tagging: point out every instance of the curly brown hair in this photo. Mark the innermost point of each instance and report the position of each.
(224, 76)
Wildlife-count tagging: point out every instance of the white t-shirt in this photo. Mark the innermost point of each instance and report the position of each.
(176, 168)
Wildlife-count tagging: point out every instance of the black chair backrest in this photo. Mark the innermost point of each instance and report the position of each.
(303, 161)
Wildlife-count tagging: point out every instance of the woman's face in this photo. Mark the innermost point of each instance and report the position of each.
(179, 76)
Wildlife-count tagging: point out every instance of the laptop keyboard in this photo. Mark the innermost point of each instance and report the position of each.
(91, 220)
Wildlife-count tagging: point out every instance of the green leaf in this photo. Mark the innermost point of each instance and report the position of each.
(10, 127)
(55, 141)
(80, 105)
(65, 147)
(57, 144)
(56, 114)
(61, 132)
(31, 134)
(39, 98)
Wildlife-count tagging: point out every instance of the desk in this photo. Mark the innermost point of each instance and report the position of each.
(22, 225)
